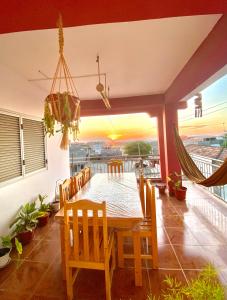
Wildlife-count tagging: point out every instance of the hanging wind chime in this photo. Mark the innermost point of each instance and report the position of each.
(198, 106)
(102, 89)
(62, 105)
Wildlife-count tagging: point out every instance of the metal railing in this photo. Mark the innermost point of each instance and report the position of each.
(98, 164)
(208, 166)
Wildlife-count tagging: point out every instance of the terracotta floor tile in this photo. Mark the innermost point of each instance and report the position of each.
(25, 279)
(8, 270)
(123, 286)
(167, 257)
(51, 283)
(10, 295)
(191, 257)
(172, 221)
(181, 236)
(45, 251)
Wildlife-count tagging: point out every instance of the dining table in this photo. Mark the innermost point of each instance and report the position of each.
(121, 194)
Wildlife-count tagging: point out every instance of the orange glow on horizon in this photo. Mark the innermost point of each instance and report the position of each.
(118, 127)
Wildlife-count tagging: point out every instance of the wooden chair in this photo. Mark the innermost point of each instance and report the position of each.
(65, 192)
(86, 174)
(93, 248)
(77, 182)
(115, 166)
(146, 231)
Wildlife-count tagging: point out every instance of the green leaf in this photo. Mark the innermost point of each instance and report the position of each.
(19, 247)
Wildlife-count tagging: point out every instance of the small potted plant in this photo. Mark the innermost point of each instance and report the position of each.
(180, 191)
(161, 188)
(171, 184)
(44, 209)
(25, 223)
(5, 249)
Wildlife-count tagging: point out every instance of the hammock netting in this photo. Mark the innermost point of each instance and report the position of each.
(189, 168)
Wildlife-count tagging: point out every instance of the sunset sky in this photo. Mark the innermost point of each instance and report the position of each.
(119, 127)
(141, 126)
(214, 120)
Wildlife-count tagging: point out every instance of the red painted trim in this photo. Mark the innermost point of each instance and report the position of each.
(149, 104)
(209, 58)
(22, 15)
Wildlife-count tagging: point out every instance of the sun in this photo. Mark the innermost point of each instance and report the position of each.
(114, 136)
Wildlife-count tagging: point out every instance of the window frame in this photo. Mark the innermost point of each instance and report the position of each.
(24, 174)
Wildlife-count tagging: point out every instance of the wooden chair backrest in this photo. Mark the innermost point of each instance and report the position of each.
(150, 202)
(77, 182)
(65, 192)
(141, 192)
(115, 166)
(86, 174)
(82, 211)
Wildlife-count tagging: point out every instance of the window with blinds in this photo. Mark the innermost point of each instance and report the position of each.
(20, 154)
(34, 145)
(10, 148)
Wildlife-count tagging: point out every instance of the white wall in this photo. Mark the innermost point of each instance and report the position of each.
(18, 95)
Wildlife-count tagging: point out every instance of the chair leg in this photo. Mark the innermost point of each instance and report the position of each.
(154, 251)
(137, 258)
(69, 283)
(120, 240)
(107, 281)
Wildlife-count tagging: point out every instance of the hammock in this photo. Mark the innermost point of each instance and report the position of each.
(219, 177)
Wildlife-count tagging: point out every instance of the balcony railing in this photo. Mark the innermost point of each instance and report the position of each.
(208, 166)
(98, 164)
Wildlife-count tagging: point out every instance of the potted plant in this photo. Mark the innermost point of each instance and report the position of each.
(180, 191)
(161, 188)
(44, 209)
(25, 223)
(63, 108)
(5, 249)
(171, 184)
(204, 287)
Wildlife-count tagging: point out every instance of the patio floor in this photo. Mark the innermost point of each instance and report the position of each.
(190, 234)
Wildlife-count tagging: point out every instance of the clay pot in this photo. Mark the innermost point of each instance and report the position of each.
(25, 237)
(180, 193)
(161, 188)
(4, 256)
(42, 221)
(171, 189)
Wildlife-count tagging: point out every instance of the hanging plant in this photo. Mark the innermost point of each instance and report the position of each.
(62, 107)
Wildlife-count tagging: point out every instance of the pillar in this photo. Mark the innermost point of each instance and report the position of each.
(170, 120)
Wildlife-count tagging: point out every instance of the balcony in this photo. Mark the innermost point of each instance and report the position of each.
(155, 63)
(190, 235)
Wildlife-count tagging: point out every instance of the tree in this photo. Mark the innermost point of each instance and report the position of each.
(137, 148)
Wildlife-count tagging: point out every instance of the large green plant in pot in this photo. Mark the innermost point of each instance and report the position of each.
(24, 224)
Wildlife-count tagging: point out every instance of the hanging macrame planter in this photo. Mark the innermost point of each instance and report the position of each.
(62, 105)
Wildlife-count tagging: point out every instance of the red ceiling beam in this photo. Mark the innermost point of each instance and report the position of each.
(23, 15)
(208, 59)
(151, 104)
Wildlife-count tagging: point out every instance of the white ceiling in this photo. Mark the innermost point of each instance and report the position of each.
(139, 58)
